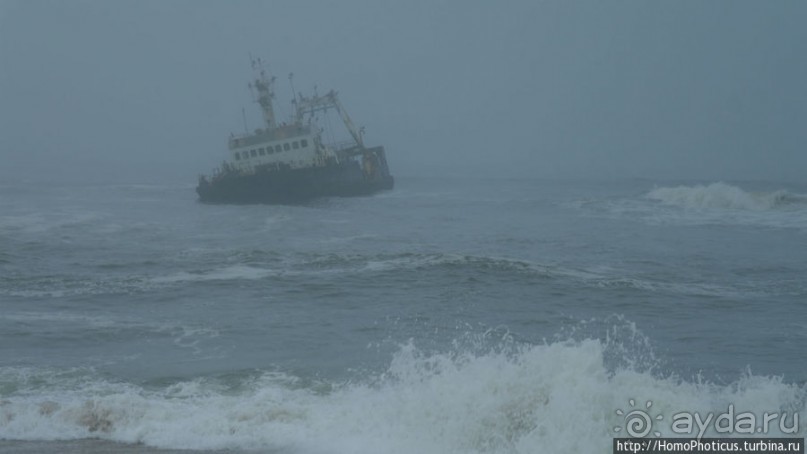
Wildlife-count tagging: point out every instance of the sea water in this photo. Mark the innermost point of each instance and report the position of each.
(445, 316)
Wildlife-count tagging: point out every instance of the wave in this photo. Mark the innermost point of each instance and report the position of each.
(713, 204)
(227, 273)
(513, 268)
(259, 266)
(725, 196)
(61, 286)
(70, 326)
(555, 397)
(40, 223)
(321, 264)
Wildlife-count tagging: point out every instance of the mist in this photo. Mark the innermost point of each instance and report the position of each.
(149, 91)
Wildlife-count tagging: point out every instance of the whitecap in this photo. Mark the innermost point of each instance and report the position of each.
(723, 196)
(555, 397)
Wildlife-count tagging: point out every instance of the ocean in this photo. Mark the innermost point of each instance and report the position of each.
(446, 316)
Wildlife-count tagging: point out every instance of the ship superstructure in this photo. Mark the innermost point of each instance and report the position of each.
(289, 163)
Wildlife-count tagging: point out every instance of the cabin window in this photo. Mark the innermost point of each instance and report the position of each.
(286, 146)
(262, 151)
(237, 156)
(304, 143)
(278, 148)
(253, 153)
(295, 144)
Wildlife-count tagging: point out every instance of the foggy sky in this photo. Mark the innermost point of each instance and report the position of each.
(148, 91)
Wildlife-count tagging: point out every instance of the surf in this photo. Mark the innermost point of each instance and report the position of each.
(559, 396)
(725, 196)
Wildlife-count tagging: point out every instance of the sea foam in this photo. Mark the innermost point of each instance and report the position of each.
(556, 397)
(725, 196)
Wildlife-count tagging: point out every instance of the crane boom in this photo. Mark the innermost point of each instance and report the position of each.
(330, 100)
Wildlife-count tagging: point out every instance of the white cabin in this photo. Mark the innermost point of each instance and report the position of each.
(293, 146)
(296, 145)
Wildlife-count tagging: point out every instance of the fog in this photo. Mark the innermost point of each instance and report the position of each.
(149, 91)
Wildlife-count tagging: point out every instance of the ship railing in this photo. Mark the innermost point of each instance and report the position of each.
(342, 146)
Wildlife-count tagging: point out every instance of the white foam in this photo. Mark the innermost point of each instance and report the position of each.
(220, 274)
(183, 334)
(558, 398)
(277, 219)
(58, 317)
(39, 223)
(723, 196)
(712, 204)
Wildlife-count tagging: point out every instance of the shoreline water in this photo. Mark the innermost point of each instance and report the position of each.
(462, 316)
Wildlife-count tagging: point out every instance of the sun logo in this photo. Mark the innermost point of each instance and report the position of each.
(638, 422)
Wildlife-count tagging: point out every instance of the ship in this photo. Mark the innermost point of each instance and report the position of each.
(290, 162)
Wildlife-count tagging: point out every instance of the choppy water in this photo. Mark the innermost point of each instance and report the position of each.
(445, 316)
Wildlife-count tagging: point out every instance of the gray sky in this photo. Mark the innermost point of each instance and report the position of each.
(149, 90)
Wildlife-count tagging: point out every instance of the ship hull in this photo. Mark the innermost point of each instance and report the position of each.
(293, 186)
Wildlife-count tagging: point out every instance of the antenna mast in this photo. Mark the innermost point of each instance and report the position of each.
(265, 93)
(293, 93)
(244, 117)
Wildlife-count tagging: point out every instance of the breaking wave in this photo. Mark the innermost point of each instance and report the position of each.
(67, 327)
(711, 204)
(725, 196)
(557, 397)
(221, 274)
(258, 267)
(460, 264)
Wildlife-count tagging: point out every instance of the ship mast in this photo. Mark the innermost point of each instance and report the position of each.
(266, 93)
